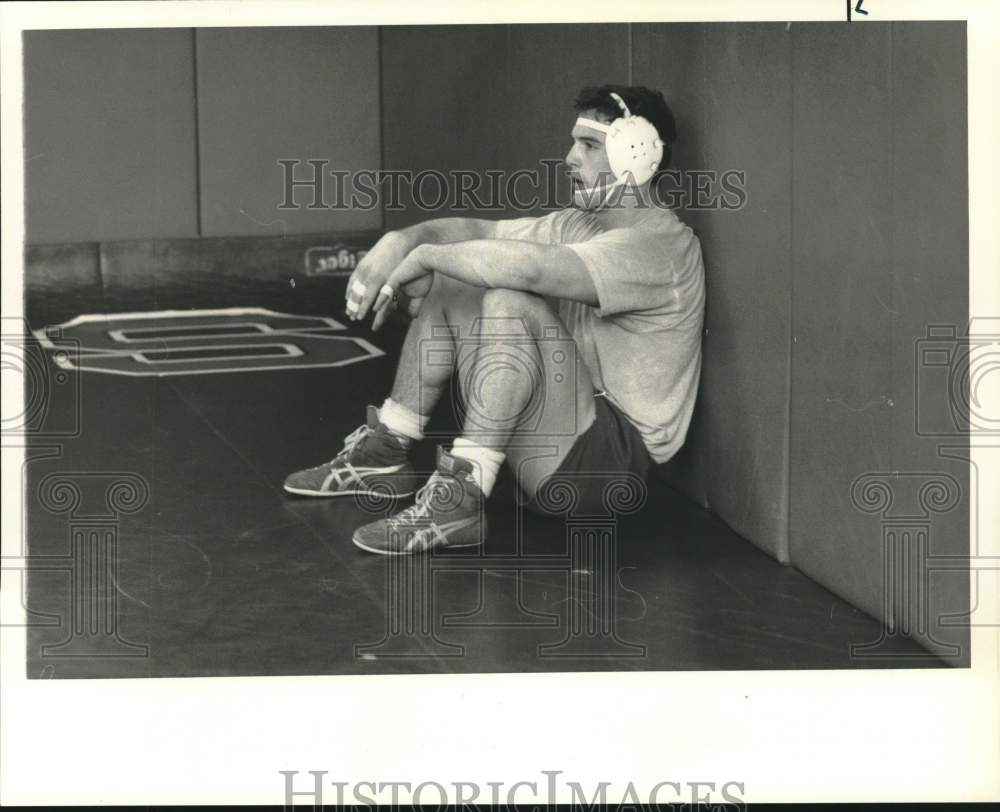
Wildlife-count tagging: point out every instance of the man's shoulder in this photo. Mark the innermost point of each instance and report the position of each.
(569, 225)
(657, 228)
(662, 220)
(556, 223)
(570, 217)
(664, 227)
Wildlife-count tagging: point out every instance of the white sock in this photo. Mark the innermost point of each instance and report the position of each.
(485, 461)
(401, 420)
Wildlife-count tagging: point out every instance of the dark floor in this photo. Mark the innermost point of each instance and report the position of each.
(221, 573)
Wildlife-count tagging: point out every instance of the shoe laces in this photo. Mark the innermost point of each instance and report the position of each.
(351, 442)
(421, 508)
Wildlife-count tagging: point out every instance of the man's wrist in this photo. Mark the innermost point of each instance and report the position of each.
(424, 254)
(402, 239)
(412, 237)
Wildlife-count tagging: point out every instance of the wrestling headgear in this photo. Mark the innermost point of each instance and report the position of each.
(633, 146)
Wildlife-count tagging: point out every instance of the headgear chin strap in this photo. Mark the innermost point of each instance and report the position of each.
(633, 146)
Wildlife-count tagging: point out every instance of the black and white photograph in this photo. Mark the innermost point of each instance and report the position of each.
(402, 351)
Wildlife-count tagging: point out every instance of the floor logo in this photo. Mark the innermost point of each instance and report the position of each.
(201, 342)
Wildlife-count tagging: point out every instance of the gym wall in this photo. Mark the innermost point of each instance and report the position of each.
(730, 87)
(163, 133)
(110, 136)
(489, 98)
(879, 256)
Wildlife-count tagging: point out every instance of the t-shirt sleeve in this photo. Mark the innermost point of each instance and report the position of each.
(564, 226)
(632, 271)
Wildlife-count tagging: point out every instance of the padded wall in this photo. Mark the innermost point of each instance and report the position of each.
(61, 281)
(929, 272)
(730, 88)
(670, 58)
(443, 100)
(488, 99)
(228, 272)
(109, 134)
(842, 365)
(879, 250)
(546, 67)
(747, 365)
(266, 94)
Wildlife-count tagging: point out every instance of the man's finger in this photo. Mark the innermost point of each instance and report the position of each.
(356, 291)
(366, 300)
(357, 276)
(386, 295)
(380, 317)
(383, 306)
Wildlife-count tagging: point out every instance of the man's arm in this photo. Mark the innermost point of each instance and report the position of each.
(541, 268)
(447, 230)
(393, 248)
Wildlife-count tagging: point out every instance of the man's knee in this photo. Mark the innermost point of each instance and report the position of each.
(528, 309)
(512, 302)
(445, 288)
(459, 301)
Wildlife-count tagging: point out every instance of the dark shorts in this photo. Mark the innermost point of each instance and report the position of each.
(604, 472)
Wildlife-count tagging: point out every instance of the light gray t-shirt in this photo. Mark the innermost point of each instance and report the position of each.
(642, 343)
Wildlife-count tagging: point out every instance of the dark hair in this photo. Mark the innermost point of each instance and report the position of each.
(641, 101)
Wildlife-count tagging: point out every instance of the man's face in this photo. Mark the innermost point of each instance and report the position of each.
(587, 161)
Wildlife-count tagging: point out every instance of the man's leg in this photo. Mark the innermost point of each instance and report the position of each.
(523, 397)
(528, 394)
(452, 305)
(375, 457)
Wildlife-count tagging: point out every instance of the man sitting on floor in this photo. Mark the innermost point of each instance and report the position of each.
(612, 369)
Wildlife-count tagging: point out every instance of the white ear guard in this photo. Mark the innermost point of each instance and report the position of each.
(633, 145)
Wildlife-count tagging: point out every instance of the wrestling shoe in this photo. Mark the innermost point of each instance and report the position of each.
(450, 511)
(373, 462)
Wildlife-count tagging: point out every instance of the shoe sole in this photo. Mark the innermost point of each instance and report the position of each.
(328, 494)
(368, 549)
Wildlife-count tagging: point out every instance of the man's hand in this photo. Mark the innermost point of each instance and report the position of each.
(410, 300)
(378, 264)
(412, 277)
(373, 271)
